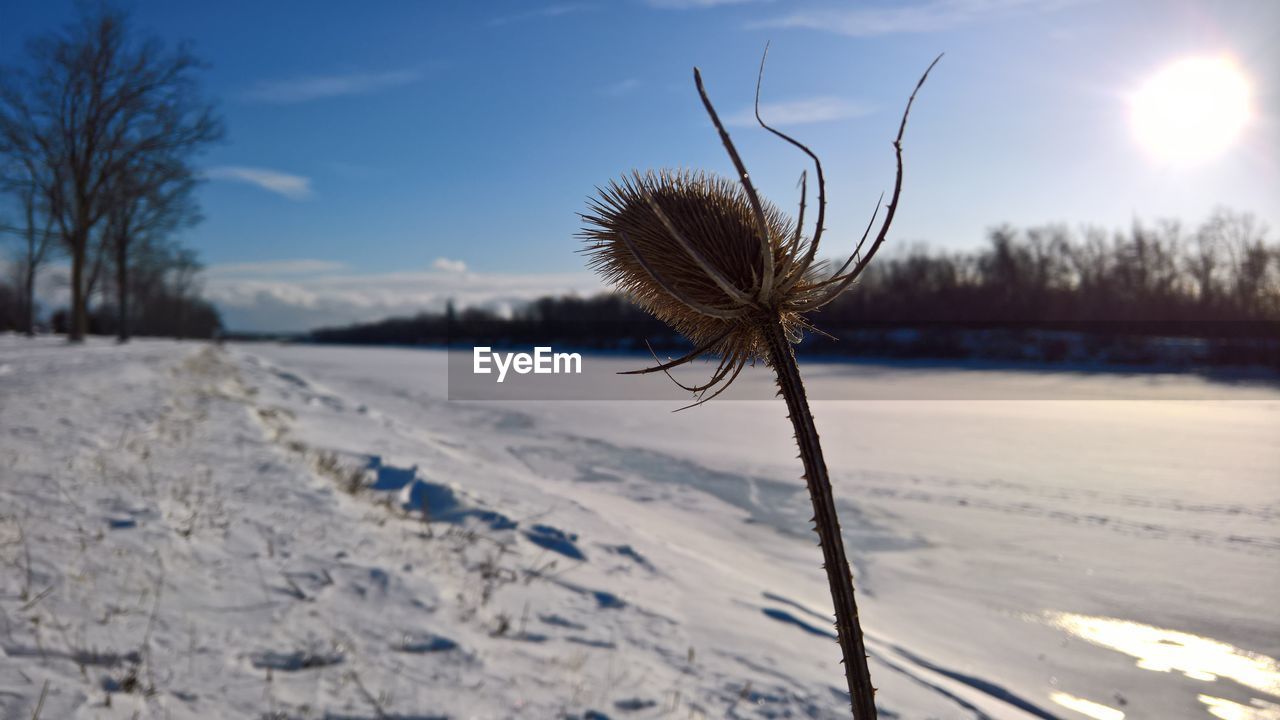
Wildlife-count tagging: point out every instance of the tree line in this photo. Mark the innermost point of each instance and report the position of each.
(98, 131)
(1226, 270)
(1218, 281)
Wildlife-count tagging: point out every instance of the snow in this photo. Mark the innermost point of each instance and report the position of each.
(192, 531)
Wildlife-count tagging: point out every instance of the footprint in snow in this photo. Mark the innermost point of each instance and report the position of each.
(426, 643)
(555, 540)
(559, 621)
(634, 704)
(632, 554)
(294, 661)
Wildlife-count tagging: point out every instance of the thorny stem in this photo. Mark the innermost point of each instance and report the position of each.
(40, 703)
(826, 523)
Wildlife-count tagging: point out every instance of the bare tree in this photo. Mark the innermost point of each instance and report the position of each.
(35, 238)
(1252, 282)
(183, 279)
(1205, 266)
(94, 104)
(152, 199)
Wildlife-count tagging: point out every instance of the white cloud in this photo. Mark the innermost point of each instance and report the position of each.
(801, 112)
(917, 17)
(275, 267)
(295, 187)
(450, 266)
(301, 302)
(317, 87)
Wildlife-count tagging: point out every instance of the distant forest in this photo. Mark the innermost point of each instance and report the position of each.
(162, 294)
(1153, 294)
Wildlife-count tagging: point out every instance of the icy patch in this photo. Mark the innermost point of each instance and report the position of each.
(1162, 650)
(1086, 707)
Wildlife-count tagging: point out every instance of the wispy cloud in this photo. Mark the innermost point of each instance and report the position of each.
(317, 87)
(301, 266)
(802, 112)
(697, 4)
(298, 294)
(301, 301)
(548, 11)
(907, 17)
(294, 187)
(620, 88)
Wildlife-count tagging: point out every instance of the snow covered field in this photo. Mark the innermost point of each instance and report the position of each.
(198, 532)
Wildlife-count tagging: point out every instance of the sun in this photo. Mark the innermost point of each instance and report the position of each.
(1192, 110)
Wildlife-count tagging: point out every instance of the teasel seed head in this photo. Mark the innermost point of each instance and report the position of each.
(684, 245)
(720, 265)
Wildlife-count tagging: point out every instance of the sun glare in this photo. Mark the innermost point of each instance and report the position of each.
(1192, 110)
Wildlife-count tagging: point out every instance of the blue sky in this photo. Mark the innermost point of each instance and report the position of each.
(384, 156)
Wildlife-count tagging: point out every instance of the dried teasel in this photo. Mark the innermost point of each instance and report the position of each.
(736, 276)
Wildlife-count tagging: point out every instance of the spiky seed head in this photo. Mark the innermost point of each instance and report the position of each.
(715, 217)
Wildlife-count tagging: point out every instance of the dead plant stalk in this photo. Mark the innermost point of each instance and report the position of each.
(735, 275)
